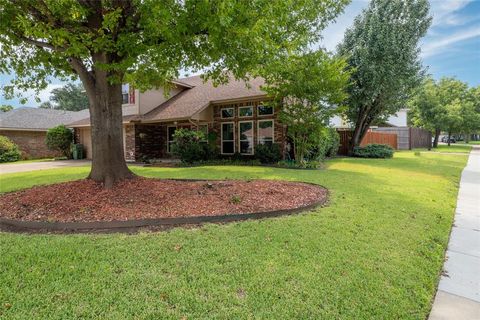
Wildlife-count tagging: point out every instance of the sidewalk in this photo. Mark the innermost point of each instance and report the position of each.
(458, 295)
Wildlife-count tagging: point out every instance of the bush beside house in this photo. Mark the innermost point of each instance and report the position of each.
(60, 138)
(9, 151)
(373, 151)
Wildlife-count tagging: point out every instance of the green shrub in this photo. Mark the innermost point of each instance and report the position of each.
(60, 138)
(294, 164)
(374, 151)
(268, 154)
(327, 144)
(190, 146)
(8, 150)
(334, 142)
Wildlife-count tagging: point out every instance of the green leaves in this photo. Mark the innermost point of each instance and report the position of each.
(382, 50)
(147, 42)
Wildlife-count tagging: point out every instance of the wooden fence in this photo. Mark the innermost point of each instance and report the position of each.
(408, 137)
(371, 137)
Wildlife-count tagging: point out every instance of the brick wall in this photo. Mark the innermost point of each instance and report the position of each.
(278, 127)
(130, 142)
(31, 143)
(150, 141)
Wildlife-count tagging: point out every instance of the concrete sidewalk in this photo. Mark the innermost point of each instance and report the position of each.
(41, 165)
(458, 295)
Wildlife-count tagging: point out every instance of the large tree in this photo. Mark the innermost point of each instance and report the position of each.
(145, 43)
(382, 51)
(311, 88)
(71, 97)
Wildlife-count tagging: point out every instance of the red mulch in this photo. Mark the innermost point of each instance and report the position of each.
(142, 198)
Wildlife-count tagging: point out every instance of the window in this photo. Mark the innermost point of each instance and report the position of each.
(245, 112)
(228, 138)
(245, 132)
(227, 113)
(128, 94)
(170, 133)
(265, 132)
(264, 110)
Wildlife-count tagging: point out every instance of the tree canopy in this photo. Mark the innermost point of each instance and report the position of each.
(446, 105)
(383, 54)
(5, 107)
(71, 97)
(310, 87)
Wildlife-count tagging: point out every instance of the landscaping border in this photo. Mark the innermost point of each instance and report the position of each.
(158, 224)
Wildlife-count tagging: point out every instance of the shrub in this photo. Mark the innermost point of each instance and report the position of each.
(190, 145)
(60, 138)
(334, 142)
(327, 144)
(8, 150)
(293, 164)
(374, 151)
(268, 153)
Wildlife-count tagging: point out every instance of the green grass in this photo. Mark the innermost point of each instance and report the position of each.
(374, 253)
(455, 148)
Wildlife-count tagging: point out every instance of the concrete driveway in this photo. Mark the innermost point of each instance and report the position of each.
(41, 165)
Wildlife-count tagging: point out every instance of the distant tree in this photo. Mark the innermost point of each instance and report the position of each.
(310, 87)
(446, 105)
(5, 107)
(60, 138)
(71, 97)
(383, 54)
(46, 105)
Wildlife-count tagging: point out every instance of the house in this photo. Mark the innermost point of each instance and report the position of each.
(407, 137)
(237, 113)
(27, 128)
(399, 119)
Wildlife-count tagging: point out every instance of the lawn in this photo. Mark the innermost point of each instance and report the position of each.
(375, 252)
(446, 148)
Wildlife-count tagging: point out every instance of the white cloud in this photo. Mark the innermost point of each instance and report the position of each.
(444, 12)
(435, 47)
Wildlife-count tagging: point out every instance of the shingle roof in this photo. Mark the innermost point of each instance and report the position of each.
(196, 96)
(191, 101)
(38, 119)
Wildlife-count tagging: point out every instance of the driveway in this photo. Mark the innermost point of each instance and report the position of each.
(42, 165)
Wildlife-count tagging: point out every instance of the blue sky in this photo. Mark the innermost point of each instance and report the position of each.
(451, 47)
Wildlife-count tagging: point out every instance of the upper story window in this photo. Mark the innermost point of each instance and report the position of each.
(263, 110)
(128, 94)
(227, 113)
(245, 111)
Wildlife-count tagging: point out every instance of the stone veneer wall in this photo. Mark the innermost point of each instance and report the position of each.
(278, 127)
(31, 143)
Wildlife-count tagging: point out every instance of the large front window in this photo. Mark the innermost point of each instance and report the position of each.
(245, 130)
(265, 132)
(228, 138)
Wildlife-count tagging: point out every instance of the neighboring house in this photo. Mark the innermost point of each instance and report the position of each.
(399, 119)
(407, 137)
(27, 127)
(235, 112)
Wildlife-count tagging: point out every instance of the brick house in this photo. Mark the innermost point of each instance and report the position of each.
(236, 112)
(27, 128)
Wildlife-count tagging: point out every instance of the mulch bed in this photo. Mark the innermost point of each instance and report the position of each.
(143, 198)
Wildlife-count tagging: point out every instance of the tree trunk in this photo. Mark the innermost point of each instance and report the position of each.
(435, 139)
(359, 133)
(108, 159)
(448, 139)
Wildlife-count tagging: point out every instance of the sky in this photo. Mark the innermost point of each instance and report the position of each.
(451, 47)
